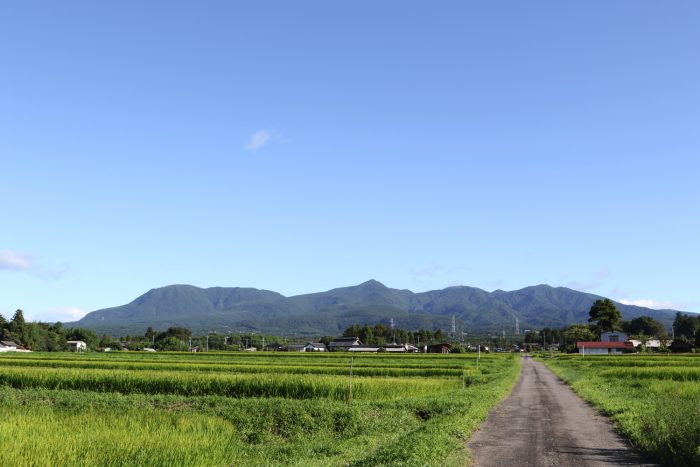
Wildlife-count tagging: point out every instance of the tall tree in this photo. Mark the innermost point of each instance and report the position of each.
(645, 325)
(17, 323)
(685, 325)
(605, 314)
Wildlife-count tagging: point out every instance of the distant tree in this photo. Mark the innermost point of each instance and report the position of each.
(685, 325)
(682, 344)
(438, 336)
(172, 343)
(644, 325)
(352, 331)
(366, 335)
(150, 333)
(326, 339)
(605, 315)
(576, 333)
(183, 334)
(17, 323)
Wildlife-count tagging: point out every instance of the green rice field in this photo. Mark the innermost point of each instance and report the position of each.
(261, 409)
(654, 400)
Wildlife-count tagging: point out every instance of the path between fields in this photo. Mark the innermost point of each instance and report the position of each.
(544, 423)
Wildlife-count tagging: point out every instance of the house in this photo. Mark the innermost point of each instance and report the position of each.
(401, 348)
(8, 346)
(275, 347)
(438, 348)
(363, 348)
(315, 347)
(614, 336)
(77, 346)
(344, 343)
(603, 348)
(656, 344)
(295, 348)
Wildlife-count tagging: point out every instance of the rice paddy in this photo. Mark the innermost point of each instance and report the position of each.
(244, 408)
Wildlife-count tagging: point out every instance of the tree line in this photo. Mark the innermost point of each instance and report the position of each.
(605, 317)
(42, 337)
(380, 334)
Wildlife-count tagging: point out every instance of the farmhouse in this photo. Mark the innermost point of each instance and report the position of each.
(315, 347)
(400, 348)
(603, 348)
(613, 337)
(8, 346)
(438, 348)
(77, 346)
(344, 343)
(364, 348)
(295, 348)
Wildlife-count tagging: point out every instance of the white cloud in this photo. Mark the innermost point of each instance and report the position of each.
(654, 304)
(15, 261)
(259, 139)
(63, 314)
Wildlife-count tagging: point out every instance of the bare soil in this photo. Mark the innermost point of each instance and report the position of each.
(544, 423)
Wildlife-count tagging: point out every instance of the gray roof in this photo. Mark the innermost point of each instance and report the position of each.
(8, 343)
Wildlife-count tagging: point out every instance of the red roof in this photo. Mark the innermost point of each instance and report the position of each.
(605, 345)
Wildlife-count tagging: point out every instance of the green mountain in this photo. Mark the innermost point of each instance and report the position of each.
(235, 309)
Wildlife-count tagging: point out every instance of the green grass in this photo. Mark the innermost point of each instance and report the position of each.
(653, 400)
(245, 409)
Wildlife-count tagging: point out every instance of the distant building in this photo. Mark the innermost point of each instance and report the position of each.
(344, 343)
(315, 347)
(438, 348)
(615, 336)
(401, 348)
(8, 346)
(77, 346)
(364, 348)
(295, 347)
(603, 348)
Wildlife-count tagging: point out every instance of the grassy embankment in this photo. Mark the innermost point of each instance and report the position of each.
(245, 409)
(654, 400)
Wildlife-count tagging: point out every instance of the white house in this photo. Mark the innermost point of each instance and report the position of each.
(603, 348)
(8, 346)
(400, 348)
(363, 348)
(614, 336)
(77, 346)
(315, 347)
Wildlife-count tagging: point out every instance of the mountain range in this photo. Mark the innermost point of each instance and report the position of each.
(235, 309)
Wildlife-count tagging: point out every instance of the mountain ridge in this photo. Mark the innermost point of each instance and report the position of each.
(229, 309)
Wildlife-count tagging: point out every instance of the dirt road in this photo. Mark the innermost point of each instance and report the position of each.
(544, 423)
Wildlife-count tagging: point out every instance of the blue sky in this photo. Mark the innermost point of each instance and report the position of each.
(301, 146)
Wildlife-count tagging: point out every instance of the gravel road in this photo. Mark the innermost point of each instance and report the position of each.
(544, 423)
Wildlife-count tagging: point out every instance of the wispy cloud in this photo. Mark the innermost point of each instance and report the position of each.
(14, 261)
(259, 139)
(63, 314)
(655, 304)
